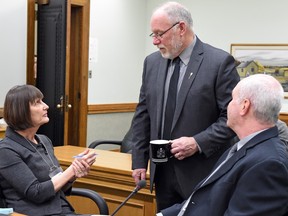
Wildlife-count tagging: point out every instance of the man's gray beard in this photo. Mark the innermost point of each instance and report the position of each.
(176, 47)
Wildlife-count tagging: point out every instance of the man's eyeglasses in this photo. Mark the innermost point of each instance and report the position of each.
(159, 35)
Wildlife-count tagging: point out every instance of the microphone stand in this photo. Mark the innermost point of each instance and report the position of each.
(130, 195)
(141, 184)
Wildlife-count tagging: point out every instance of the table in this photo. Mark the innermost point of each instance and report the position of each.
(2, 132)
(284, 117)
(16, 214)
(111, 177)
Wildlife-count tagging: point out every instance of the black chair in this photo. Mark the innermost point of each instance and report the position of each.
(97, 198)
(125, 144)
(83, 192)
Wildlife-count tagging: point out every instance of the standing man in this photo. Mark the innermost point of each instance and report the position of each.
(196, 122)
(258, 170)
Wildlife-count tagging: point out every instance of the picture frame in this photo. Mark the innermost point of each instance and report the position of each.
(262, 58)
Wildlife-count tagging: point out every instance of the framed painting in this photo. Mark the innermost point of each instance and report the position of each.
(262, 58)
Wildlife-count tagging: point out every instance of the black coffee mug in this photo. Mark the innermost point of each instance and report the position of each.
(160, 150)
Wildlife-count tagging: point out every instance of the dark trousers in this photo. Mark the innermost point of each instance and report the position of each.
(167, 189)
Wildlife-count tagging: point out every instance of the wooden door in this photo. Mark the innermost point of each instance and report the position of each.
(78, 16)
(69, 89)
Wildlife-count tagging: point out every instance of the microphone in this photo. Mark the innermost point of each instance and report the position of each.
(141, 184)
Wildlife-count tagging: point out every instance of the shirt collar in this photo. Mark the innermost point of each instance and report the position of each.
(243, 141)
(186, 54)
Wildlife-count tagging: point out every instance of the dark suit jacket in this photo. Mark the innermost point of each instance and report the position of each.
(254, 181)
(200, 111)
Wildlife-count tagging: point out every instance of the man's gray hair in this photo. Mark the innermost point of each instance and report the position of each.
(177, 12)
(265, 94)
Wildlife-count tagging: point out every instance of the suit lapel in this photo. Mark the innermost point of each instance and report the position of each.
(258, 139)
(190, 74)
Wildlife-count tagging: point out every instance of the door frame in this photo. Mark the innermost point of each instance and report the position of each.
(83, 20)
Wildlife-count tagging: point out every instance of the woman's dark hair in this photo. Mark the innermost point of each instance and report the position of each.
(17, 106)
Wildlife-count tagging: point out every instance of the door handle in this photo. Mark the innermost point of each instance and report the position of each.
(67, 104)
(60, 105)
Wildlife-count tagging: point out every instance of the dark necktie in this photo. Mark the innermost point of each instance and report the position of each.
(171, 100)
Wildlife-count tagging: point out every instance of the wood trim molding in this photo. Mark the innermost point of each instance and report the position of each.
(111, 108)
(129, 107)
(1, 112)
(106, 108)
(284, 117)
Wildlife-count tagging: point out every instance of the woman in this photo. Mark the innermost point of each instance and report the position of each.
(31, 178)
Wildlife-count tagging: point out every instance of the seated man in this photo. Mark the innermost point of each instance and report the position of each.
(254, 180)
(283, 131)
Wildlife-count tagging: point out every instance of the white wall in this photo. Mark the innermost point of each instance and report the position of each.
(120, 30)
(223, 22)
(13, 40)
(122, 51)
(117, 45)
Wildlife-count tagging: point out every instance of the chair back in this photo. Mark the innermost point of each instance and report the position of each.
(93, 195)
(127, 143)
